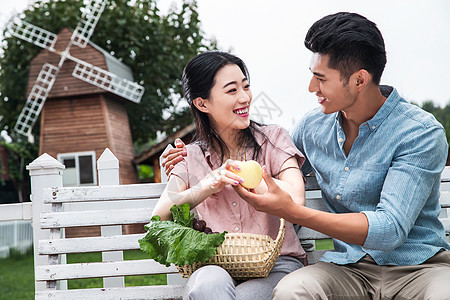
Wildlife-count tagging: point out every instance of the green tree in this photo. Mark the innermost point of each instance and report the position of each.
(441, 114)
(155, 46)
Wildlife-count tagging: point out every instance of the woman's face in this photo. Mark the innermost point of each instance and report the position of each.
(229, 102)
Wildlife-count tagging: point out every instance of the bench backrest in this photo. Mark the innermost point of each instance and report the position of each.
(307, 236)
(117, 205)
(444, 200)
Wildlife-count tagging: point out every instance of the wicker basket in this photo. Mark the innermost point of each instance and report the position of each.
(243, 255)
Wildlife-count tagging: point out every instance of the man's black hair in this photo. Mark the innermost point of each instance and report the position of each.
(351, 41)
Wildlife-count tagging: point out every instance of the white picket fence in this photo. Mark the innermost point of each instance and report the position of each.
(46, 172)
(17, 235)
(16, 230)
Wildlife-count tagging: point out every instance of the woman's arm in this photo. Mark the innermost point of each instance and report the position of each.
(289, 179)
(177, 192)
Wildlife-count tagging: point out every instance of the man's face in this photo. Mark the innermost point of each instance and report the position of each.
(332, 94)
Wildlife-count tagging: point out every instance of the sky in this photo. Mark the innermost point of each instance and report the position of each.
(268, 36)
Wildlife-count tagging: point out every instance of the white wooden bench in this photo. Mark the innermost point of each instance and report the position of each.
(111, 206)
(307, 236)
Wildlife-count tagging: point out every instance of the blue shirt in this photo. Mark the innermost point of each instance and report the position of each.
(391, 174)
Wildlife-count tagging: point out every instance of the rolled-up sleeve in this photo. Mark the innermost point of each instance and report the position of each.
(409, 190)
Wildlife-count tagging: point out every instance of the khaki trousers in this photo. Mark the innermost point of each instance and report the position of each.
(366, 280)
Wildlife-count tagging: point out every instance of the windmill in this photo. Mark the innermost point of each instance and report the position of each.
(83, 70)
(84, 89)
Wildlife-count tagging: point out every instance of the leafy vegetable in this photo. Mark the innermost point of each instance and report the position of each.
(176, 241)
(182, 215)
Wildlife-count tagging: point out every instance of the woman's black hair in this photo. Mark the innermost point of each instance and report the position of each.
(351, 41)
(198, 79)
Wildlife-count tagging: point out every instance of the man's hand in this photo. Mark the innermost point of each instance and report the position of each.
(349, 227)
(173, 156)
(274, 201)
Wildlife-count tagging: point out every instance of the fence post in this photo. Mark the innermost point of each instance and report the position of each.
(108, 174)
(45, 172)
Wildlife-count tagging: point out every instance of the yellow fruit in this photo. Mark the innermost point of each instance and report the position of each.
(251, 172)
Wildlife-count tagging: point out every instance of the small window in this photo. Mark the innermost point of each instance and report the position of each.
(80, 168)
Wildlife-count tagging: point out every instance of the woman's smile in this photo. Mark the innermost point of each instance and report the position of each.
(241, 112)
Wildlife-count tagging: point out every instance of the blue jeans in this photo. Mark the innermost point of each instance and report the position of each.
(213, 282)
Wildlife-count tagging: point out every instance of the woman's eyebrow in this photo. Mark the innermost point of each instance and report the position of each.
(234, 82)
(229, 83)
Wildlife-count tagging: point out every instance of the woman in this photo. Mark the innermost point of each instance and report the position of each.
(216, 86)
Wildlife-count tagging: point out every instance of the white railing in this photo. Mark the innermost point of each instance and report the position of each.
(16, 231)
(17, 235)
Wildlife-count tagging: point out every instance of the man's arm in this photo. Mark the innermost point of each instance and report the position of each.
(350, 227)
(412, 175)
(410, 194)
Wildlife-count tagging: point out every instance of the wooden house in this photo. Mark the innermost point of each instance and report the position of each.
(151, 155)
(80, 120)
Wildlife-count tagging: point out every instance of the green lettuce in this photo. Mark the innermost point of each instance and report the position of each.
(176, 241)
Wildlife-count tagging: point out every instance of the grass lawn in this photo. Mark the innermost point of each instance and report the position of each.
(17, 274)
(17, 277)
(98, 282)
(324, 244)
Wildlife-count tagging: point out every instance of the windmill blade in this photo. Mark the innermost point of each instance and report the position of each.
(108, 81)
(31, 33)
(85, 28)
(36, 99)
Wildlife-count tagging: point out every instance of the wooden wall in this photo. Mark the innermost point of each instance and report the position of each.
(120, 139)
(88, 123)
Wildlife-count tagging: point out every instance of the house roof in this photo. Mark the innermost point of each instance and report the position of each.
(149, 155)
(114, 65)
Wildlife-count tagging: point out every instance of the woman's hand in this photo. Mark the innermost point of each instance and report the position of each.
(173, 156)
(220, 177)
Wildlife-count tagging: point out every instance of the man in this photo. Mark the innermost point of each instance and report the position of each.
(378, 161)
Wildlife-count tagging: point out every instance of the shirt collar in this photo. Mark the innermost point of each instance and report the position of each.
(392, 99)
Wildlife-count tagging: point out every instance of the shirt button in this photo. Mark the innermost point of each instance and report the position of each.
(346, 169)
(236, 228)
(340, 140)
(338, 197)
(373, 127)
(234, 203)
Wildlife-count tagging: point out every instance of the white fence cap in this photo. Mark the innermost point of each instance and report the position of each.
(45, 165)
(107, 161)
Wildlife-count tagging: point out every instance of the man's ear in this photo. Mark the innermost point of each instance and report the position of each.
(200, 104)
(362, 78)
